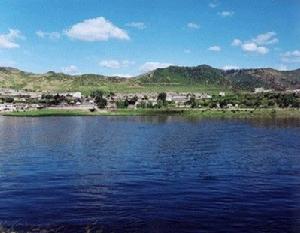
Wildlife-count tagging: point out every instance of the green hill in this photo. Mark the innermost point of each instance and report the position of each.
(242, 79)
(203, 74)
(248, 79)
(173, 78)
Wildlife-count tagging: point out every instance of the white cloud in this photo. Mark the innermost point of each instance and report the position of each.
(230, 67)
(291, 56)
(236, 42)
(226, 13)
(252, 47)
(258, 44)
(215, 48)
(71, 69)
(193, 25)
(187, 51)
(96, 29)
(213, 4)
(266, 39)
(50, 35)
(138, 25)
(7, 41)
(115, 64)
(149, 66)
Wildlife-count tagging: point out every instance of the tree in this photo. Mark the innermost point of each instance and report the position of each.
(8, 100)
(96, 93)
(99, 99)
(162, 99)
(101, 102)
(193, 102)
(122, 104)
(162, 96)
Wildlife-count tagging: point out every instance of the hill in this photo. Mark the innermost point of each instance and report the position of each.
(241, 79)
(248, 79)
(173, 78)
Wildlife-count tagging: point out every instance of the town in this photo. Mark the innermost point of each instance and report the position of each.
(19, 100)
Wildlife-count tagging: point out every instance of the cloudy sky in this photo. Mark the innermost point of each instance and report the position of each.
(117, 37)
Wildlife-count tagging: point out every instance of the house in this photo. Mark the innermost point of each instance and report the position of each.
(169, 98)
(229, 105)
(296, 91)
(178, 97)
(222, 93)
(206, 96)
(34, 106)
(262, 90)
(111, 105)
(7, 107)
(75, 95)
(2, 107)
(152, 100)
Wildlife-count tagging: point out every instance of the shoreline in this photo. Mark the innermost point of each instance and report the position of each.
(193, 113)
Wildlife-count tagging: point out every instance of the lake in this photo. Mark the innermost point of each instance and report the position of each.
(149, 174)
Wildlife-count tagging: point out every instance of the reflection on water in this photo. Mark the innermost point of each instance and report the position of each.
(276, 122)
(150, 174)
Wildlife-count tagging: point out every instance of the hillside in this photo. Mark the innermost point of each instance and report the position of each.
(52, 81)
(243, 79)
(173, 78)
(248, 79)
(185, 75)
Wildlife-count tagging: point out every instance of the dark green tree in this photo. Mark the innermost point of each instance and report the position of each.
(96, 93)
(193, 102)
(162, 96)
(99, 99)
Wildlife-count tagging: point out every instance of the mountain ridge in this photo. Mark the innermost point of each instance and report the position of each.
(203, 75)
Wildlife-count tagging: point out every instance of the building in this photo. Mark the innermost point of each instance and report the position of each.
(75, 95)
(262, 90)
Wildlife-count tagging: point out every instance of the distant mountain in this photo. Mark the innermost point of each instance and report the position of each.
(52, 81)
(185, 75)
(248, 79)
(240, 79)
(168, 79)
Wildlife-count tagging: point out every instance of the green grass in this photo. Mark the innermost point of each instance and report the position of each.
(49, 112)
(191, 113)
(119, 112)
(57, 83)
(140, 88)
(250, 113)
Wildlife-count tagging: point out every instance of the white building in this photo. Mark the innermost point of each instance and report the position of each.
(262, 90)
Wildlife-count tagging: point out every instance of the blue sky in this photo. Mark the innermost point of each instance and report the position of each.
(117, 37)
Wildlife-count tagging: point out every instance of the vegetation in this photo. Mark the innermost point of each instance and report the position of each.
(243, 79)
(201, 78)
(50, 112)
(194, 113)
(162, 100)
(99, 99)
(245, 100)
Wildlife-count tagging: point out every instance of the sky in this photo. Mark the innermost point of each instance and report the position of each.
(127, 38)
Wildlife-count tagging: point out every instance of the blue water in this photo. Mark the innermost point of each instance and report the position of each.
(149, 174)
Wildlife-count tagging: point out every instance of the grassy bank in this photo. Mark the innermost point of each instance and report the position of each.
(49, 112)
(250, 113)
(193, 113)
(119, 112)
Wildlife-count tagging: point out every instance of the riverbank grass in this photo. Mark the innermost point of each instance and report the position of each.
(193, 113)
